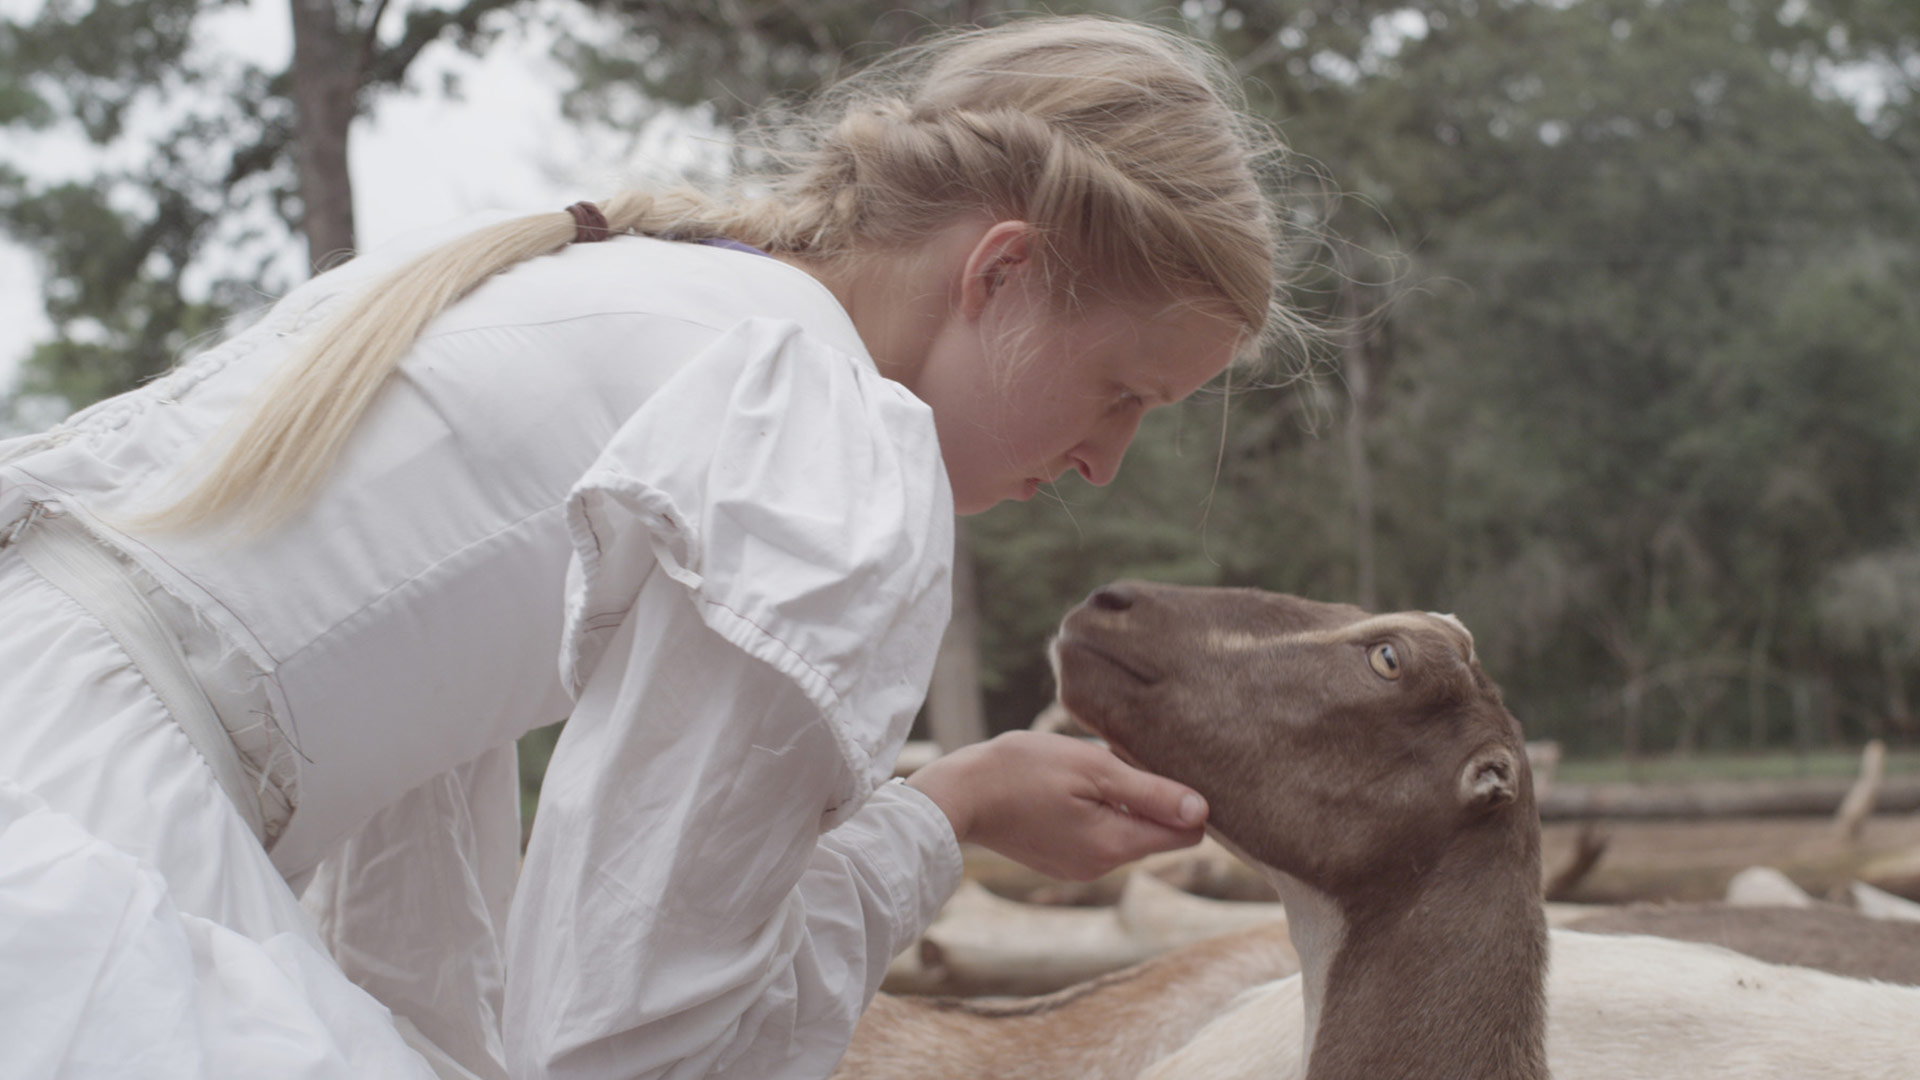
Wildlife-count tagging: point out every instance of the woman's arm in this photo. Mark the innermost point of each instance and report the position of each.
(662, 928)
(680, 913)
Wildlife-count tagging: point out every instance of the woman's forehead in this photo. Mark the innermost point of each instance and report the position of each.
(1167, 352)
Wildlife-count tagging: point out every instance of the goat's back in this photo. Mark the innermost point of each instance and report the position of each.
(1826, 936)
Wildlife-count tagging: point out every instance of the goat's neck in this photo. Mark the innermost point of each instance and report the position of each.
(1447, 982)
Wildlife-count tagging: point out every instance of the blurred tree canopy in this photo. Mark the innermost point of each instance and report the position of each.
(1621, 300)
(199, 151)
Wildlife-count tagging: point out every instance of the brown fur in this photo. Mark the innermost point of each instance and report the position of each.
(1827, 937)
(1403, 798)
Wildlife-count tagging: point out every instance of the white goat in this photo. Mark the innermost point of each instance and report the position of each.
(1644, 1008)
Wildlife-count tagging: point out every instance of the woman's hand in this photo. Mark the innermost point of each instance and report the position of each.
(1063, 806)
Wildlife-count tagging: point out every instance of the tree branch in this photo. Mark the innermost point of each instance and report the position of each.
(388, 67)
(371, 37)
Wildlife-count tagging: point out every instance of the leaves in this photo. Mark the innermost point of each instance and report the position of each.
(1630, 286)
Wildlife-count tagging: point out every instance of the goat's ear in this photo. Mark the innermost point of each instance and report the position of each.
(1491, 778)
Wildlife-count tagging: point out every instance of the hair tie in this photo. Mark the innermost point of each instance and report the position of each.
(589, 224)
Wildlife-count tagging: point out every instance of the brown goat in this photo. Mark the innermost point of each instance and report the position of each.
(1368, 763)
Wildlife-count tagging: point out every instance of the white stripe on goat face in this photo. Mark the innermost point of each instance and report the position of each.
(1224, 641)
(1239, 641)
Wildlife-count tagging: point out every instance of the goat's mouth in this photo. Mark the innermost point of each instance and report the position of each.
(1104, 655)
(1085, 672)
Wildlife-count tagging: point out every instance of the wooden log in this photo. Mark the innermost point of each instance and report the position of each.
(1897, 873)
(1880, 904)
(985, 944)
(1588, 848)
(1206, 869)
(1858, 804)
(1812, 797)
(1764, 886)
(1105, 1029)
(1564, 914)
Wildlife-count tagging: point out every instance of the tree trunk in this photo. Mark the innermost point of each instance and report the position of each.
(1817, 796)
(328, 61)
(955, 714)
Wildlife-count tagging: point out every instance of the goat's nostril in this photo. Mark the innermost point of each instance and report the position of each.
(1111, 598)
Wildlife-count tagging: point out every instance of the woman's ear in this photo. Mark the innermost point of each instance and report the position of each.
(999, 255)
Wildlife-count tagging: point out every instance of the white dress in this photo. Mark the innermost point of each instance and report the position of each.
(657, 488)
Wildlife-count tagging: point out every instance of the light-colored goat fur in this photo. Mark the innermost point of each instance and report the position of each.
(1108, 1028)
(1632, 1008)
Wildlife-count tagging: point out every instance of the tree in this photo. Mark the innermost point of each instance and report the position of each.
(1618, 297)
(1633, 380)
(221, 153)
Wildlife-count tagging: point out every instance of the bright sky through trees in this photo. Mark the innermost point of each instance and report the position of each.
(419, 159)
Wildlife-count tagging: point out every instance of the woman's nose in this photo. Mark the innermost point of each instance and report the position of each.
(1098, 459)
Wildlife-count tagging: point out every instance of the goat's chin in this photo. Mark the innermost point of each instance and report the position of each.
(1107, 740)
(1123, 754)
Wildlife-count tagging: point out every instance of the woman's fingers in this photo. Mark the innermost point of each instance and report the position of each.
(1145, 795)
(1060, 805)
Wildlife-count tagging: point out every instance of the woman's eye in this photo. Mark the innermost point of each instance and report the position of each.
(1385, 662)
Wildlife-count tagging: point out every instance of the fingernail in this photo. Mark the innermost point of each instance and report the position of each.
(1193, 809)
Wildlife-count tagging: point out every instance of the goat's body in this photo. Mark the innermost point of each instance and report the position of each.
(1369, 765)
(1631, 1007)
(1825, 936)
(1105, 1029)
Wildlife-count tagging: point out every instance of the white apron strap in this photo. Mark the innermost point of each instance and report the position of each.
(64, 553)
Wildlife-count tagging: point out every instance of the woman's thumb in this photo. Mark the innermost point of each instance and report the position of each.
(1159, 799)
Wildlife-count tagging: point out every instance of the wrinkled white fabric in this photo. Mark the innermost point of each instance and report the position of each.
(547, 442)
(143, 933)
(797, 538)
(680, 913)
(444, 856)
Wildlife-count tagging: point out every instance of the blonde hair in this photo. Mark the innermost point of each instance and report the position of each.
(1127, 148)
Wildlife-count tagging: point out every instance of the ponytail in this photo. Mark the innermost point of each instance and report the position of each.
(1127, 148)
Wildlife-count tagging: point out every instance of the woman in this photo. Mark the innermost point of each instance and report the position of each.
(275, 620)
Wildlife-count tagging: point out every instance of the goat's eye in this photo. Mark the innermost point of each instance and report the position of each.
(1386, 662)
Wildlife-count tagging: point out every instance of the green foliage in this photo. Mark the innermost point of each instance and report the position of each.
(1643, 388)
(194, 199)
(1628, 285)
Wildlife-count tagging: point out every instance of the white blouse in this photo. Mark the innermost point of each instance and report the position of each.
(657, 488)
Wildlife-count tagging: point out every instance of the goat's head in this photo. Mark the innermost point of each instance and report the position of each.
(1345, 749)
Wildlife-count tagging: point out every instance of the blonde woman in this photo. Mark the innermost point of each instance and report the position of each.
(680, 468)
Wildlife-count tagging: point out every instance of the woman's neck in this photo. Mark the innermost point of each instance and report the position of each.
(897, 300)
(1446, 982)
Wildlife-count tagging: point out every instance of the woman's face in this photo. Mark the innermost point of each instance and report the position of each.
(1022, 394)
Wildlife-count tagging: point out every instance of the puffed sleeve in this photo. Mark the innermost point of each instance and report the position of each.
(758, 592)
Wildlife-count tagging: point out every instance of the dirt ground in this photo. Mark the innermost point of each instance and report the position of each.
(1694, 860)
